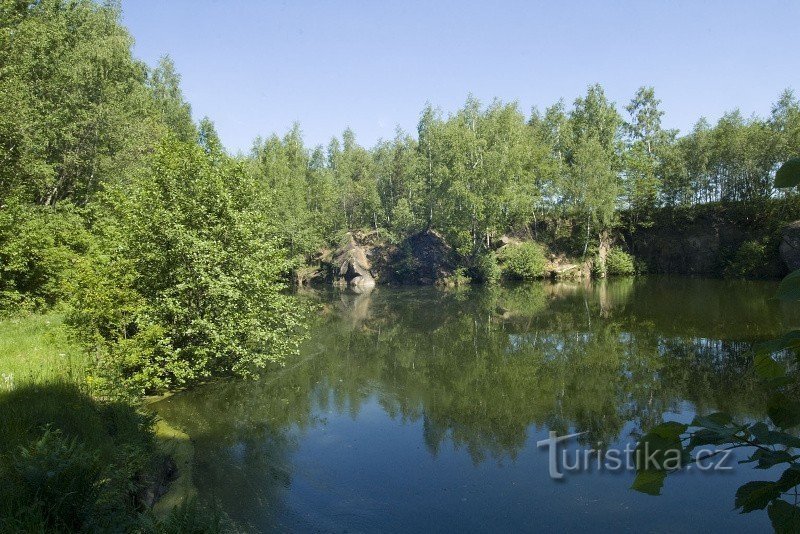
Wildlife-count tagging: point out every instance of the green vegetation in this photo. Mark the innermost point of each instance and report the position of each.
(36, 349)
(525, 261)
(569, 176)
(189, 286)
(619, 262)
(69, 461)
(484, 268)
(748, 260)
(165, 247)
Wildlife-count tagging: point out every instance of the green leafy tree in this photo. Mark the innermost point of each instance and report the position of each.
(645, 140)
(188, 282)
(69, 88)
(165, 85)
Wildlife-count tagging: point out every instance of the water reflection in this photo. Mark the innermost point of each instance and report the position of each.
(474, 370)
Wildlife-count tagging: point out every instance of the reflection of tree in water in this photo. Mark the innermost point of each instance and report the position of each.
(478, 368)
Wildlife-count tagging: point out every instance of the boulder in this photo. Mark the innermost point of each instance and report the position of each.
(790, 245)
(351, 265)
(504, 241)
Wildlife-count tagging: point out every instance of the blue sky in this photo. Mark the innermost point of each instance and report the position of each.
(255, 67)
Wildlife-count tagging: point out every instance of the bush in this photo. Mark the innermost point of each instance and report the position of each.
(484, 269)
(619, 262)
(189, 281)
(38, 248)
(749, 260)
(525, 261)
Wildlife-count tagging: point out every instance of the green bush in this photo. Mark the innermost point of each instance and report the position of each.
(485, 269)
(619, 262)
(189, 281)
(748, 261)
(38, 248)
(525, 261)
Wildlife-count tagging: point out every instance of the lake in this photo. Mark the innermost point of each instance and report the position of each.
(419, 409)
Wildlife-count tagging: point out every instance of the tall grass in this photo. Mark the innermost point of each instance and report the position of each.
(37, 349)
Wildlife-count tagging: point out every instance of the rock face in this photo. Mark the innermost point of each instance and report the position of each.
(424, 258)
(352, 267)
(705, 240)
(790, 245)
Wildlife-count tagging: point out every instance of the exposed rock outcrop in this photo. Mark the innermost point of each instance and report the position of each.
(424, 258)
(706, 239)
(351, 265)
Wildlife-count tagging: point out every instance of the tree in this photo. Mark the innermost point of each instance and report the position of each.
(645, 142)
(165, 85)
(188, 282)
(68, 89)
(594, 188)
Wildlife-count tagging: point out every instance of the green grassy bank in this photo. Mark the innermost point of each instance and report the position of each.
(73, 462)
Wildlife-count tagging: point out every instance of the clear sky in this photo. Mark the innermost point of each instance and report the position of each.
(255, 67)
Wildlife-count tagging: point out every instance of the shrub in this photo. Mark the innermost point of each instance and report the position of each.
(38, 247)
(525, 261)
(619, 262)
(484, 268)
(748, 261)
(189, 281)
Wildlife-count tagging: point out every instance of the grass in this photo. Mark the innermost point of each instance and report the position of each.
(70, 461)
(36, 349)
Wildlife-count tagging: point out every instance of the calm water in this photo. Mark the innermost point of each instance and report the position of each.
(419, 409)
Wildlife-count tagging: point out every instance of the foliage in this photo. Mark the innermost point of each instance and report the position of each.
(69, 94)
(188, 282)
(70, 463)
(484, 268)
(38, 248)
(196, 516)
(619, 262)
(525, 261)
(748, 261)
(38, 348)
(485, 170)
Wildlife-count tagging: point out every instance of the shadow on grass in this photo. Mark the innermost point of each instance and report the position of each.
(70, 462)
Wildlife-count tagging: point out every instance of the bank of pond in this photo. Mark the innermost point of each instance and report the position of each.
(412, 409)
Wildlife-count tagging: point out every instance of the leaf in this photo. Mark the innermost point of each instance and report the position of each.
(789, 288)
(649, 481)
(783, 411)
(789, 479)
(720, 423)
(767, 368)
(706, 437)
(789, 174)
(790, 340)
(669, 430)
(765, 436)
(785, 517)
(756, 495)
(767, 458)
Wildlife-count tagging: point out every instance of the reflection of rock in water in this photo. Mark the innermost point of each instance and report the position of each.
(355, 304)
